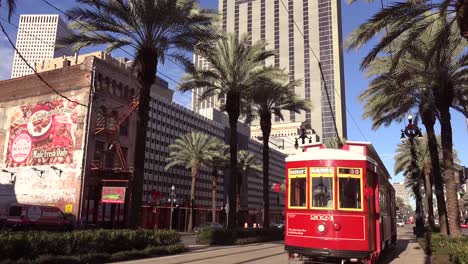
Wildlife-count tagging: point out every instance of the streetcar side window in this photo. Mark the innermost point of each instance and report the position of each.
(350, 193)
(297, 192)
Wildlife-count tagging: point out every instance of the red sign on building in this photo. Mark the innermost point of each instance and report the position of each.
(114, 195)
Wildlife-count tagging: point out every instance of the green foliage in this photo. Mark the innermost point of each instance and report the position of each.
(97, 258)
(455, 248)
(193, 149)
(248, 162)
(30, 245)
(239, 236)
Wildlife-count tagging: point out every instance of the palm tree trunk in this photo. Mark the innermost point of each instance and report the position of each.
(265, 124)
(449, 176)
(146, 76)
(192, 197)
(233, 110)
(213, 195)
(429, 122)
(416, 190)
(238, 194)
(462, 17)
(428, 190)
(419, 211)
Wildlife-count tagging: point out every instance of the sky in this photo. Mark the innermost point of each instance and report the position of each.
(385, 139)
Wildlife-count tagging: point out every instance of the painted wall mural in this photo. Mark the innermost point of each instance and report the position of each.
(43, 146)
(42, 134)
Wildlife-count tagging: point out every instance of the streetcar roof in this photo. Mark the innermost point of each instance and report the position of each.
(317, 153)
(327, 154)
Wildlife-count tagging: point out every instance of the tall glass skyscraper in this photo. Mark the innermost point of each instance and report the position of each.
(302, 33)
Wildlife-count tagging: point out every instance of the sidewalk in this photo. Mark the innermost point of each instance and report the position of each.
(407, 250)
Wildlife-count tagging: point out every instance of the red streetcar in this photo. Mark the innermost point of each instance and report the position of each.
(340, 205)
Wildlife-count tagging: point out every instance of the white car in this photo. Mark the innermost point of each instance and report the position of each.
(400, 223)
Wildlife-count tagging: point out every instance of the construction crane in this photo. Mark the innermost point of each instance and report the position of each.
(110, 126)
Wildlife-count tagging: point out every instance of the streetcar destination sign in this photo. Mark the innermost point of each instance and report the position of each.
(297, 171)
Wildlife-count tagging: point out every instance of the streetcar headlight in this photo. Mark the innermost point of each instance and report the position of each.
(321, 227)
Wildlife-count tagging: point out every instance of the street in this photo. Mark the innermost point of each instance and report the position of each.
(267, 253)
(407, 250)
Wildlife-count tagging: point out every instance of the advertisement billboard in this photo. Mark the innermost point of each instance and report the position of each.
(114, 195)
(42, 134)
(41, 143)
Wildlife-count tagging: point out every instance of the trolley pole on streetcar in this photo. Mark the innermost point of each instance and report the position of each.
(411, 132)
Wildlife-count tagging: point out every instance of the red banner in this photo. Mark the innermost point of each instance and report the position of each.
(114, 195)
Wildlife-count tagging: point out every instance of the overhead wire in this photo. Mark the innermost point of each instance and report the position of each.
(35, 72)
(128, 53)
(125, 51)
(52, 46)
(324, 81)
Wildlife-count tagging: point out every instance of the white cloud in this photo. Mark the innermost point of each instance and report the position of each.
(6, 58)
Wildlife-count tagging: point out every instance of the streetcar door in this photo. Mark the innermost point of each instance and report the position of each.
(322, 204)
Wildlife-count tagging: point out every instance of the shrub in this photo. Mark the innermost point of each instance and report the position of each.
(30, 245)
(97, 258)
(455, 248)
(239, 236)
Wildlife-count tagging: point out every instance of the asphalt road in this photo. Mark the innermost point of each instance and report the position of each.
(407, 250)
(266, 253)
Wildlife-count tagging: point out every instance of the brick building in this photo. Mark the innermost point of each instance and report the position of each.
(100, 145)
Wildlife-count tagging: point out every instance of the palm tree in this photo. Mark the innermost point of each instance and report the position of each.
(399, 18)
(392, 94)
(335, 143)
(194, 151)
(428, 77)
(235, 64)
(155, 30)
(11, 7)
(248, 163)
(424, 168)
(268, 98)
(219, 161)
(410, 164)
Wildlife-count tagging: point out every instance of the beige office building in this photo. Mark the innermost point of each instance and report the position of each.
(36, 40)
(302, 33)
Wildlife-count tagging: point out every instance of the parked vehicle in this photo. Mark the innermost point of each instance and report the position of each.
(278, 225)
(206, 226)
(400, 223)
(2, 222)
(26, 217)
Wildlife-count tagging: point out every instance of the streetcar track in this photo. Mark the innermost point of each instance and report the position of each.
(259, 258)
(223, 255)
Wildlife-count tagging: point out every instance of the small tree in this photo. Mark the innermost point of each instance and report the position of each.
(248, 162)
(193, 151)
(269, 97)
(235, 64)
(219, 162)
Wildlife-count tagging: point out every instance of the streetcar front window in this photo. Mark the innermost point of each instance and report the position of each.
(297, 192)
(350, 193)
(322, 192)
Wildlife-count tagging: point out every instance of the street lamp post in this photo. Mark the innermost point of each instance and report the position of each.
(172, 200)
(303, 137)
(410, 132)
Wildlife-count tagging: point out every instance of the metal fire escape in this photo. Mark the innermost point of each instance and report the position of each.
(110, 127)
